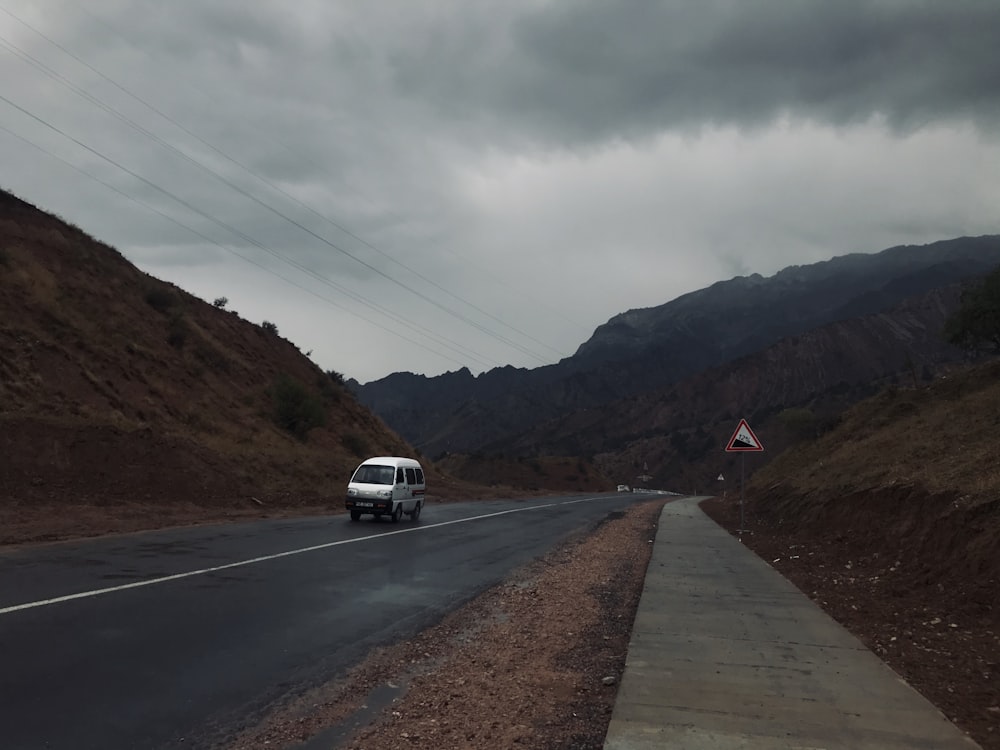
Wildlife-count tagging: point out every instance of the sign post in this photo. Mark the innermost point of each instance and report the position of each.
(743, 441)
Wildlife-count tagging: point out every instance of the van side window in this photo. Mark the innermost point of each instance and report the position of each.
(420, 476)
(399, 475)
(411, 478)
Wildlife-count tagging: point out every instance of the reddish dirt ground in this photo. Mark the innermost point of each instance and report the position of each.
(940, 630)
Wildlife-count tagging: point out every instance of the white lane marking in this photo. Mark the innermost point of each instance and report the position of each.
(264, 558)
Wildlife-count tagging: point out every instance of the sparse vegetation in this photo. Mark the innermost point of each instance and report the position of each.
(270, 327)
(177, 331)
(161, 299)
(220, 302)
(800, 423)
(356, 444)
(331, 393)
(189, 425)
(295, 408)
(976, 324)
(212, 357)
(335, 376)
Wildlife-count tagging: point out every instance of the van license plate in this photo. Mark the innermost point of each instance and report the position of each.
(364, 505)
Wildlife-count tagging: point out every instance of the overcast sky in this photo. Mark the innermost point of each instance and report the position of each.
(428, 184)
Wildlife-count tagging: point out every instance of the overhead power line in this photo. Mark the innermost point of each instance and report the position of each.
(458, 348)
(146, 133)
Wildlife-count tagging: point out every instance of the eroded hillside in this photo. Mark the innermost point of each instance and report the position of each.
(639, 352)
(676, 433)
(117, 388)
(891, 522)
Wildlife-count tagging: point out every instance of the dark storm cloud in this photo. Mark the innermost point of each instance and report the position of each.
(577, 156)
(229, 30)
(593, 70)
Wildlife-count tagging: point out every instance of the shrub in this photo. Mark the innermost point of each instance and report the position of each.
(977, 321)
(800, 423)
(212, 358)
(270, 327)
(336, 377)
(161, 299)
(177, 331)
(328, 390)
(295, 408)
(221, 302)
(356, 444)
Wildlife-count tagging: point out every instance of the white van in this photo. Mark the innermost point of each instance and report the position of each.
(387, 485)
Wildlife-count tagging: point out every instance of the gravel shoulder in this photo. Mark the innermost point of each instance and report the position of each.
(533, 662)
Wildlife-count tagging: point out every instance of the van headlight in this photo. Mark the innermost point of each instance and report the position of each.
(352, 492)
(384, 493)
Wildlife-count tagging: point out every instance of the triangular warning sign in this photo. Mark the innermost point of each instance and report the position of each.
(744, 439)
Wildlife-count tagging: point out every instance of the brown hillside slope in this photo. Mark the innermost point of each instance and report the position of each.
(891, 522)
(676, 433)
(912, 469)
(117, 388)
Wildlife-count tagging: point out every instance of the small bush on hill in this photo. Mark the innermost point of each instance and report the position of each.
(212, 357)
(221, 302)
(329, 391)
(355, 444)
(295, 408)
(800, 423)
(177, 331)
(977, 321)
(270, 327)
(161, 299)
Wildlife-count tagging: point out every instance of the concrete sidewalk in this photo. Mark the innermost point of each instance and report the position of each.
(726, 653)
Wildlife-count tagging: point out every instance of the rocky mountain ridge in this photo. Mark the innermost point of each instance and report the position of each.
(792, 389)
(641, 350)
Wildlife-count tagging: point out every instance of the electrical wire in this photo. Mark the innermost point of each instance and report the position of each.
(143, 131)
(458, 348)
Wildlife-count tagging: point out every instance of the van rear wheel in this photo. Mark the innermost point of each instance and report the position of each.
(397, 513)
(416, 511)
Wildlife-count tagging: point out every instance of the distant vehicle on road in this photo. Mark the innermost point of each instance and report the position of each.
(624, 488)
(387, 485)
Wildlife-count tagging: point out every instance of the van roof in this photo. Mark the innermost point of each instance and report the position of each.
(390, 459)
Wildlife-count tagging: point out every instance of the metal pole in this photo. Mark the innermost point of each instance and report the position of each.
(743, 463)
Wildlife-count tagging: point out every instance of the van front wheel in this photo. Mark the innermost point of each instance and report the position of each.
(397, 513)
(355, 515)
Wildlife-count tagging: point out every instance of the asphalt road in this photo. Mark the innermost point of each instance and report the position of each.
(178, 638)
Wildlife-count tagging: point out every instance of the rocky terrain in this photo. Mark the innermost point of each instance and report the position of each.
(673, 433)
(642, 351)
(938, 629)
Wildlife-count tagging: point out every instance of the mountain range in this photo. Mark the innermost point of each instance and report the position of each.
(743, 347)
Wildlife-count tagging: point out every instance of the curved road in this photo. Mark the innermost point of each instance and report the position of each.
(178, 638)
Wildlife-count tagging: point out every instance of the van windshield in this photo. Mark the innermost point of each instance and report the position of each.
(374, 474)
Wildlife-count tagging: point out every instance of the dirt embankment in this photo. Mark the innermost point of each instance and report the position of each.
(914, 575)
